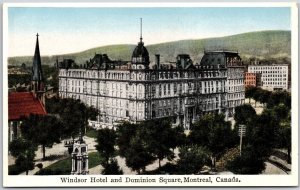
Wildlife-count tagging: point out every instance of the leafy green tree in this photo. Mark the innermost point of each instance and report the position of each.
(192, 159)
(158, 135)
(125, 133)
(112, 168)
(285, 140)
(244, 114)
(73, 113)
(264, 96)
(177, 137)
(279, 97)
(250, 162)
(257, 95)
(281, 112)
(261, 134)
(14, 79)
(24, 152)
(133, 146)
(249, 92)
(214, 133)
(137, 155)
(42, 130)
(106, 140)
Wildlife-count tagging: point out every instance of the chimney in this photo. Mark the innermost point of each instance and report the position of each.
(157, 61)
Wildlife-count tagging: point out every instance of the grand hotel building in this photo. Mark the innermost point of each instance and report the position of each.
(132, 91)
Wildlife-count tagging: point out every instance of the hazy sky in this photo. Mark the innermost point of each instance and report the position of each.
(66, 30)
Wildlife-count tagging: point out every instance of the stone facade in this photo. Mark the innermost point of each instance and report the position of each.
(132, 91)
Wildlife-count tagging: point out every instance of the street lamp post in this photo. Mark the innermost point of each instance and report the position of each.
(242, 132)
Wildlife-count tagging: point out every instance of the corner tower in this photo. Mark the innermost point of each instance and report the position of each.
(140, 55)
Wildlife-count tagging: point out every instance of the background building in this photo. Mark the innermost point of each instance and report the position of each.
(273, 77)
(252, 79)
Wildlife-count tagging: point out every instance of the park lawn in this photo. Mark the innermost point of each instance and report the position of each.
(90, 132)
(65, 165)
(14, 170)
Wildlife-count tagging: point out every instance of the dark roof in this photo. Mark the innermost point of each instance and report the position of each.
(141, 51)
(67, 63)
(184, 61)
(22, 104)
(217, 57)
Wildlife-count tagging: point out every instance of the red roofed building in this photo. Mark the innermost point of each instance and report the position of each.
(20, 106)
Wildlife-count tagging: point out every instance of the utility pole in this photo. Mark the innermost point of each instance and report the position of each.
(242, 132)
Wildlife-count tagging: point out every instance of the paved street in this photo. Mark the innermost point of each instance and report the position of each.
(273, 170)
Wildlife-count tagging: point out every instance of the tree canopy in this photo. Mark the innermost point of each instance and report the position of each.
(106, 140)
(74, 114)
(24, 152)
(42, 130)
(214, 133)
(244, 114)
(250, 162)
(192, 159)
(148, 141)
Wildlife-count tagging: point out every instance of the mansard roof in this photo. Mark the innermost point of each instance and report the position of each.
(218, 57)
(102, 61)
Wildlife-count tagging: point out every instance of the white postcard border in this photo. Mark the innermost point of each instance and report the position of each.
(245, 180)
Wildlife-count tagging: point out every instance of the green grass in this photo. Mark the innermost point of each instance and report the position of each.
(94, 159)
(65, 164)
(63, 167)
(14, 170)
(92, 133)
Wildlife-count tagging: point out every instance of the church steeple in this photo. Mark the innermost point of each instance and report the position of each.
(37, 74)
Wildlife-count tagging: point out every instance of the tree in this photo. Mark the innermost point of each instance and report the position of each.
(264, 96)
(214, 133)
(244, 114)
(137, 155)
(248, 163)
(24, 152)
(112, 168)
(158, 135)
(132, 140)
(73, 114)
(281, 112)
(249, 92)
(177, 137)
(279, 97)
(125, 132)
(283, 137)
(285, 140)
(106, 139)
(257, 95)
(192, 159)
(42, 130)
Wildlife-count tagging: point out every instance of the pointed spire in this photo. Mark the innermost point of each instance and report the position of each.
(141, 23)
(37, 74)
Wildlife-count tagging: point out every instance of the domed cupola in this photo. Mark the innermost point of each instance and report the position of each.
(140, 54)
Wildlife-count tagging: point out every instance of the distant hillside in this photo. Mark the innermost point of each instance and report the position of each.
(262, 44)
